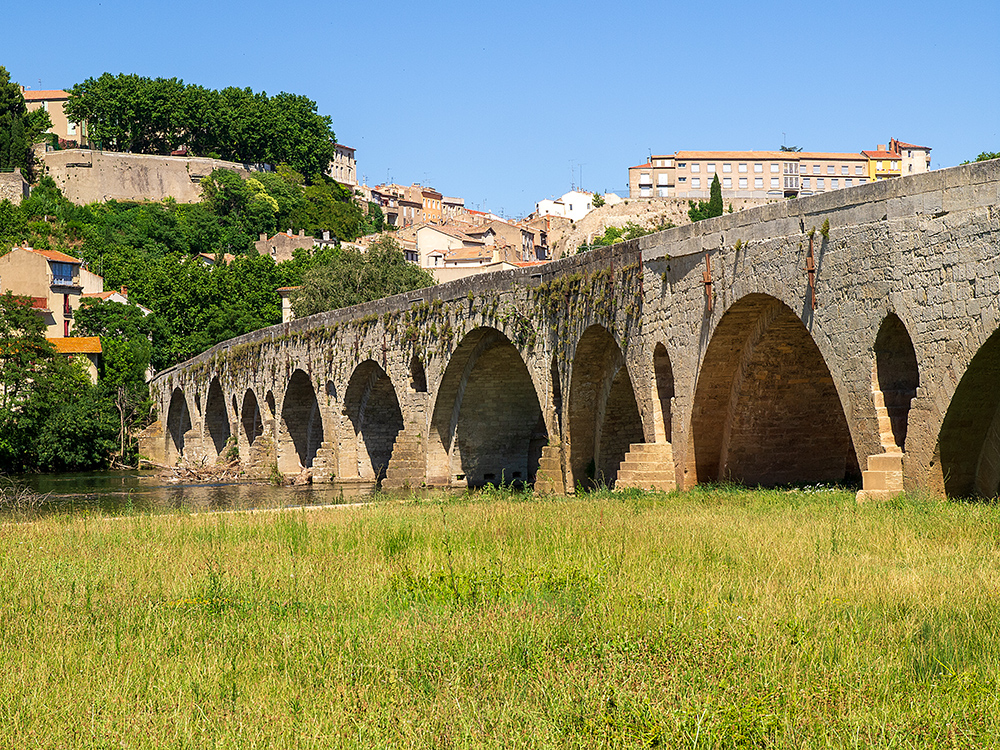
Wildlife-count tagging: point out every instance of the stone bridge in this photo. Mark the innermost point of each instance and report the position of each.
(813, 340)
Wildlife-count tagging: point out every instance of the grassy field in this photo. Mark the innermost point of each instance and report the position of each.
(715, 618)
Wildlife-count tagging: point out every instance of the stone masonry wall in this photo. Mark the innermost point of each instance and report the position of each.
(13, 187)
(86, 176)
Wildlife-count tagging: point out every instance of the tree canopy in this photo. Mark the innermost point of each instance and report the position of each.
(136, 114)
(350, 278)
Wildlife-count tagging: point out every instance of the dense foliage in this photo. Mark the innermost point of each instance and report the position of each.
(19, 128)
(158, 115)
(51, 417)
(347, 278)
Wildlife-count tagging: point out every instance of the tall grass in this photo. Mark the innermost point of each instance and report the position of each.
(715, 618)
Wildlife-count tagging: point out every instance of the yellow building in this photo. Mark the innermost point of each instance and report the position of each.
(52, 102)
(883, 164)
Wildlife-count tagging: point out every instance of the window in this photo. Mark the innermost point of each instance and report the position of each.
(844, 170)
(862, 181)
(743, 183)
(662, 192)
(859, 169)
(644, 178)
(775, 182)
(820, 183)
(645, 193)
(835, 183)
(758, 168)
(661, 178)
(830, 169)
(62, 273)
(742, 168)
(67, 310)
(758, 182)
(775, 168)
(848, 182)
(682, 164)
(696, 182)
(895, 165)
(727, 168)
(711, 169)
(71, 128)
(805, 183)
(909, 154)
(695, 168)
(682, 179)
(815, 168)
(878, 166)
(727, 182)
(66, 328)
(910, 167)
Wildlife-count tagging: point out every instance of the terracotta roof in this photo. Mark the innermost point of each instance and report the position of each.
(40, 303)
(456, 233)
(100, 295)
(53, 255)
(286, 289)
(77, 344)
(341, 145)
(40, 96)
(226, 257)
(912, 145)
(647, 165)
(526, 263)
(880, 154)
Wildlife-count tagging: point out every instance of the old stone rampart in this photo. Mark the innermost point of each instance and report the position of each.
(88, 176)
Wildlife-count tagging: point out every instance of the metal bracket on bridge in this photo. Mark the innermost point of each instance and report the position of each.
(811, 270)
(706, 276)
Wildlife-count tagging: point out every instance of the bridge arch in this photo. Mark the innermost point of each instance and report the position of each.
(301, 429)
(374, 419)
(766, 410)
(251, 420)
(603, 414)
(178, 424)
(968, 449)
(663, 381)
(487, 426)
(217, 417)
(895, 378)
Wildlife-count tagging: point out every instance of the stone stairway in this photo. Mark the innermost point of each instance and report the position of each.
(324, 465)
(648, 466)
(884, 478)
(406, 466)
(549, 477)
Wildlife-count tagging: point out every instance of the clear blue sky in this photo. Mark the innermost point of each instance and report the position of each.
(506, 103)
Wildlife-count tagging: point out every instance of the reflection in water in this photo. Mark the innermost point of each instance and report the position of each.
(123, 492)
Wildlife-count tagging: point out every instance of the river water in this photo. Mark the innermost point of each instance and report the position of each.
(116, 492)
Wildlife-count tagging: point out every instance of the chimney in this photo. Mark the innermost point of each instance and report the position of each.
(124, 291)
(290, 232)
(263, 237)
(881, 147)
(302, 233)
(326, 234)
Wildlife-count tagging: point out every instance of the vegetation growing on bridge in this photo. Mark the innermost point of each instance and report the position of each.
(716, 618)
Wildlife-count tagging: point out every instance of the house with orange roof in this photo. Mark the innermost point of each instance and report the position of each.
(53, 101)
(56, 283)
(84, 349)
(882, 163)
(913, 159)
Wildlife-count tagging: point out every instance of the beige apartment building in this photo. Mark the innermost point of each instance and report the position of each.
(344, 167)
(746, 174)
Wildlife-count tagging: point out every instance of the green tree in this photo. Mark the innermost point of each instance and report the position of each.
(19, 129)
(598, 200)
(350, 278)
(707, 209)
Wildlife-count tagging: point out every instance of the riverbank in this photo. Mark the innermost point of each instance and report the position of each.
(709, 618)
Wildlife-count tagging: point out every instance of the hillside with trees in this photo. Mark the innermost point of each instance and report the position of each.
(19, 128)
